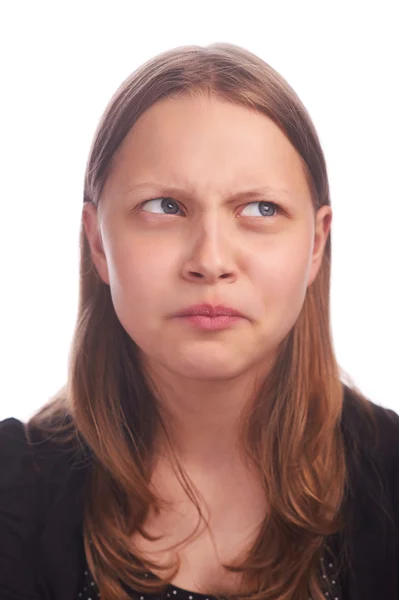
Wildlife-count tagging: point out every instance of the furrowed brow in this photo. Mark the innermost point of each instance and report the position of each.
(258, 193)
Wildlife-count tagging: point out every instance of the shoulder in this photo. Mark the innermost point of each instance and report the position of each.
(20, 511)
(12, 434)
(40, 482)
(16, 460)
(371, 441)
(370, 430)
(30, 453)
(34, 465)
(369, 542)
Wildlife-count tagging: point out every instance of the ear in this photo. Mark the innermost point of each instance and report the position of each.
(91, 224)
(322, 231)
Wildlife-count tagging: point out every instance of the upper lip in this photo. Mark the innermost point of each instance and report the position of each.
(209, 310)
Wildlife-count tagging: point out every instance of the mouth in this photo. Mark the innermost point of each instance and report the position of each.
(209, 310)
(209, 317)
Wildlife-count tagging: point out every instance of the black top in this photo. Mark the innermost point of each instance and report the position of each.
(41, 498)
(89, 591)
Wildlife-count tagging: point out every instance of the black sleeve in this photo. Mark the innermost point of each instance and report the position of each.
(20, 510)
(396, 508)
(395, 444)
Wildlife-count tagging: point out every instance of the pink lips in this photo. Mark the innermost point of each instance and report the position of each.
(208, 310)
(207, 316)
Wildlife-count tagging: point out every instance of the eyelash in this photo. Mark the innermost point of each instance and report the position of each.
(277, 207)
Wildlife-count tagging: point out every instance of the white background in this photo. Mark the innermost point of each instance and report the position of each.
(60, 64)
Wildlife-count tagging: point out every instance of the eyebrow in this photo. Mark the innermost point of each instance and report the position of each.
(250, 193)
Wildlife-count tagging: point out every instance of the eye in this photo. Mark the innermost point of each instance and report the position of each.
(162, 206)
(266, 209)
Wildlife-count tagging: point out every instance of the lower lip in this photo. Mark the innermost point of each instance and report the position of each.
(211, 323)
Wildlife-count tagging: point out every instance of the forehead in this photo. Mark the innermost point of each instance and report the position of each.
(208, 144)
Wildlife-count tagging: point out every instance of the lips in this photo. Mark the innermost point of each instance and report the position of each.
(209, 310)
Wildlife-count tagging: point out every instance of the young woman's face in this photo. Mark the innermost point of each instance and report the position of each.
(181, 225)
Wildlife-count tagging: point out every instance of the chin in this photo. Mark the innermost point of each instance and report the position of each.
(209, 367)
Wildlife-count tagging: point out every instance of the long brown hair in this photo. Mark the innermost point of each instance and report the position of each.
(291, 432)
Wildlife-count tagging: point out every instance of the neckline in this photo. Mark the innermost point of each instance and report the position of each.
(191, 595)
(170, 587)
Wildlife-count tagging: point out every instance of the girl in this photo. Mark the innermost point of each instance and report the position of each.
(204, 444)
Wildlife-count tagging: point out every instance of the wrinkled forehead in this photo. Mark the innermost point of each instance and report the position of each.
(207, 146)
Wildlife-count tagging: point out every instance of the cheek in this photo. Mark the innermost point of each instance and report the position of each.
(281, 276)
(139, 279)
(280, 283)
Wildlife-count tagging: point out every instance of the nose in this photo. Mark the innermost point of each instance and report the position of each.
(210, 254)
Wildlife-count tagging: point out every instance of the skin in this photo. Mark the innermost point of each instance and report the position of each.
(214, 249)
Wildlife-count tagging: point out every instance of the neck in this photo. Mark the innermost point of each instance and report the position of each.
(204, 418)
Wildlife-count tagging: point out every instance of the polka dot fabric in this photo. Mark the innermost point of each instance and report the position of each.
(172, 592)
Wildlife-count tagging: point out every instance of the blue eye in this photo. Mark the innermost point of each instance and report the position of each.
(266, 209)
(167, 206)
